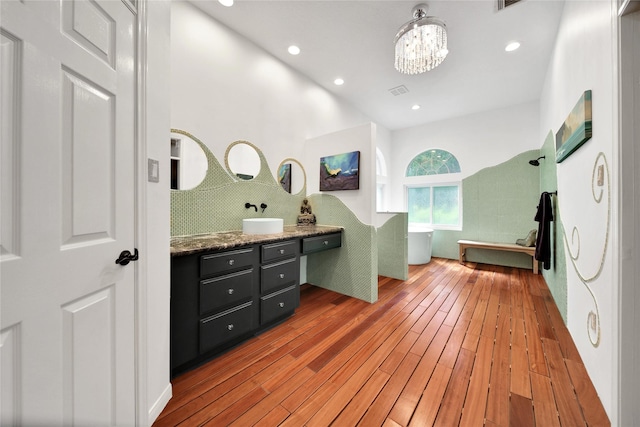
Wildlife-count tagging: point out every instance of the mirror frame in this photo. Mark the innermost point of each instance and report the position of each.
(226, 160)
(303, 189)
(205, 151)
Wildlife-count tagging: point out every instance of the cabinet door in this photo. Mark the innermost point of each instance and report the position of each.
(279, 275)
(226, 290)
(279, 304)
(226, 262)
(280, 250)
(321, 243)
(184, 309)
(225, 326)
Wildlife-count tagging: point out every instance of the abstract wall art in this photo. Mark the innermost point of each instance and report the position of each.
(340, 172)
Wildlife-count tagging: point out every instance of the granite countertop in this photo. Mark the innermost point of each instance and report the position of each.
(186, 245)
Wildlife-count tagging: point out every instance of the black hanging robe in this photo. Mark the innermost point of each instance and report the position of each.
(544, 216)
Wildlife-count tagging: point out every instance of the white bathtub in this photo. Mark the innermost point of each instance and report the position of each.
(419, 245)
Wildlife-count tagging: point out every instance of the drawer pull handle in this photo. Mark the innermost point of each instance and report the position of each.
(281, 305)
(230, 291)
(230, 327)
(326, 242)
(282, 275)
(231, 262)
(281, 251)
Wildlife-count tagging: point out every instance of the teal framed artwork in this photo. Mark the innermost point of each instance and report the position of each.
(284, 177)
(576, 129)
(340, 172)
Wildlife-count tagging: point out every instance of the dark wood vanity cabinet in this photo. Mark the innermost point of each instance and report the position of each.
(214, 302)
(279, 280)
(228, 307)
(220, 298)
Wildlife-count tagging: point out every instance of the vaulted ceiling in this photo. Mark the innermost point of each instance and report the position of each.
(354, 40)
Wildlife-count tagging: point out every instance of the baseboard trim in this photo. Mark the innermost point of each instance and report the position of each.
(160, 403)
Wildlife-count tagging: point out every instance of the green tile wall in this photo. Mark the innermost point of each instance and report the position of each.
(352, 269)
(393, 259)
(217, 204)
(499, 205)
(556, 277)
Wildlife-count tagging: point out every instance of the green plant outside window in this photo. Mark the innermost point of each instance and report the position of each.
(430, 203)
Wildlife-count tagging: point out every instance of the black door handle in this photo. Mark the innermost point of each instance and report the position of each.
(126, 257)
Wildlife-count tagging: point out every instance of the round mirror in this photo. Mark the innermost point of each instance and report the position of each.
(291, 176)
(189, 163)
(242, 160)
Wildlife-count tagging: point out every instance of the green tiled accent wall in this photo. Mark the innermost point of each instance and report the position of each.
(352, 269)
(393, 259)
(499, 205)
(556, 277)
(222, 208)
(217, 204)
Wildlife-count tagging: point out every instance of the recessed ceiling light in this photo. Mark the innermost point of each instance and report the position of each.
(227, 3)
(512, 46)
(294, 50)
(338, 82)
(415, 107)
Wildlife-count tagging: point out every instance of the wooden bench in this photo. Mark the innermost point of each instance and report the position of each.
(509, 247)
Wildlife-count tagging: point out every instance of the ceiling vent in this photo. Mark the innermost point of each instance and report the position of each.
(398, 90)
(506, 3)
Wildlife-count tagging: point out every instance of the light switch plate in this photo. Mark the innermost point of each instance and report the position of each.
(153, 170)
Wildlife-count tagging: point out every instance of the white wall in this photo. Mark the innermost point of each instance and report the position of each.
(155, 350)
(628, 228)
(478, 141)
(360, 138)
(383, 143)
(224, 88)
(585, 58)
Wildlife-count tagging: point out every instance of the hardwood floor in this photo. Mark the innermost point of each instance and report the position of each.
(453, 345)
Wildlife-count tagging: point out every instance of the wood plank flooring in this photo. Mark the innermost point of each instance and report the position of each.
(453, 345)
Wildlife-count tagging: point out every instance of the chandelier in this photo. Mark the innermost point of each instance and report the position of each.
(421, 44)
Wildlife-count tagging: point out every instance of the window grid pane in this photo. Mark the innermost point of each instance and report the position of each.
(433, 162)
(445, 205)
(419, 204)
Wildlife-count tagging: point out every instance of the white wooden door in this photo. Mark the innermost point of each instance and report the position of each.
(67, 211)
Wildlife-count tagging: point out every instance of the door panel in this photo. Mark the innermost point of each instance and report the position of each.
(88, 124)
(10, 49)
(90, 27)
(88, 374)
(67, 315)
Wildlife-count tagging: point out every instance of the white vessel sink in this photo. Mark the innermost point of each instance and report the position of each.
(262, 225)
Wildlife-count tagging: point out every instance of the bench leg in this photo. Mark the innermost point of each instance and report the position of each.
(535, 265)
(461, 257)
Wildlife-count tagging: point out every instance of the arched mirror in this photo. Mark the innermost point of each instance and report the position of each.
(242, 160)
(291, 176)
(189, 163)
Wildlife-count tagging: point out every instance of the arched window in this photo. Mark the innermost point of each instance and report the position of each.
(433, 190)
(433, 162)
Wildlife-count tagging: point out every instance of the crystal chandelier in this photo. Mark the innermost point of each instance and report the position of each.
(421, 44)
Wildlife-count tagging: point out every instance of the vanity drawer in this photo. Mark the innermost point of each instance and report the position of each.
(225, 290)
(223, 262)
(280, 250)
(225, 326)
(279, 274)
(278, 304)
(321, 243)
